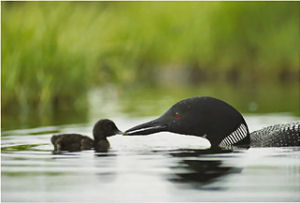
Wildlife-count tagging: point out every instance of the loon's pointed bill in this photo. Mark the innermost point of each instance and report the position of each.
(146, 128)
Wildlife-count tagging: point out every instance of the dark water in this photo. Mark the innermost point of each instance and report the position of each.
(160, 167)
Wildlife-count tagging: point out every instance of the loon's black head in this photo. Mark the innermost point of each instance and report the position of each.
(207, 117)
(105, 128)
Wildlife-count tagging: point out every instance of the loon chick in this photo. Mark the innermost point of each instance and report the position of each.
(71, 142)
(76, 142)
(216, 121)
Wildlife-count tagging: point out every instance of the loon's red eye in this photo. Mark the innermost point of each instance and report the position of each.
(177, 115)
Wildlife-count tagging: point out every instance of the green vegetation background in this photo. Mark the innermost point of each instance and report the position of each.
(53, 53)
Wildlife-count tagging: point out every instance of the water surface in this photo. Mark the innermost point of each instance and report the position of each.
(159, 167)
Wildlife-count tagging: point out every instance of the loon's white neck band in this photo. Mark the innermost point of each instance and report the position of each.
(236, 136)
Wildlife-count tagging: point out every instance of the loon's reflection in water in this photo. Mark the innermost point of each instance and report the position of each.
(199, 168)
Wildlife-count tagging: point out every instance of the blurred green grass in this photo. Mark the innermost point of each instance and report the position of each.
(54, 52)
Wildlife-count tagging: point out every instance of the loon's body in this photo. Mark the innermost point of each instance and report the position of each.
(280, 135)
(75, 142)
(218, 122)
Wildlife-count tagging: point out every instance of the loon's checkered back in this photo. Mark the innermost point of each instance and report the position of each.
(279, 135)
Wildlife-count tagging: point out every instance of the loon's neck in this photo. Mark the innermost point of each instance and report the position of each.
(240, 136)
(101, 145)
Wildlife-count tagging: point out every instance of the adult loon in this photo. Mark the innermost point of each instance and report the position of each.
(75, 142)
(218, 122)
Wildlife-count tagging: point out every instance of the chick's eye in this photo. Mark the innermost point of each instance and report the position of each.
(177, 115)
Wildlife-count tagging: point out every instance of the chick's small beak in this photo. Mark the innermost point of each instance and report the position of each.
(118, 132)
